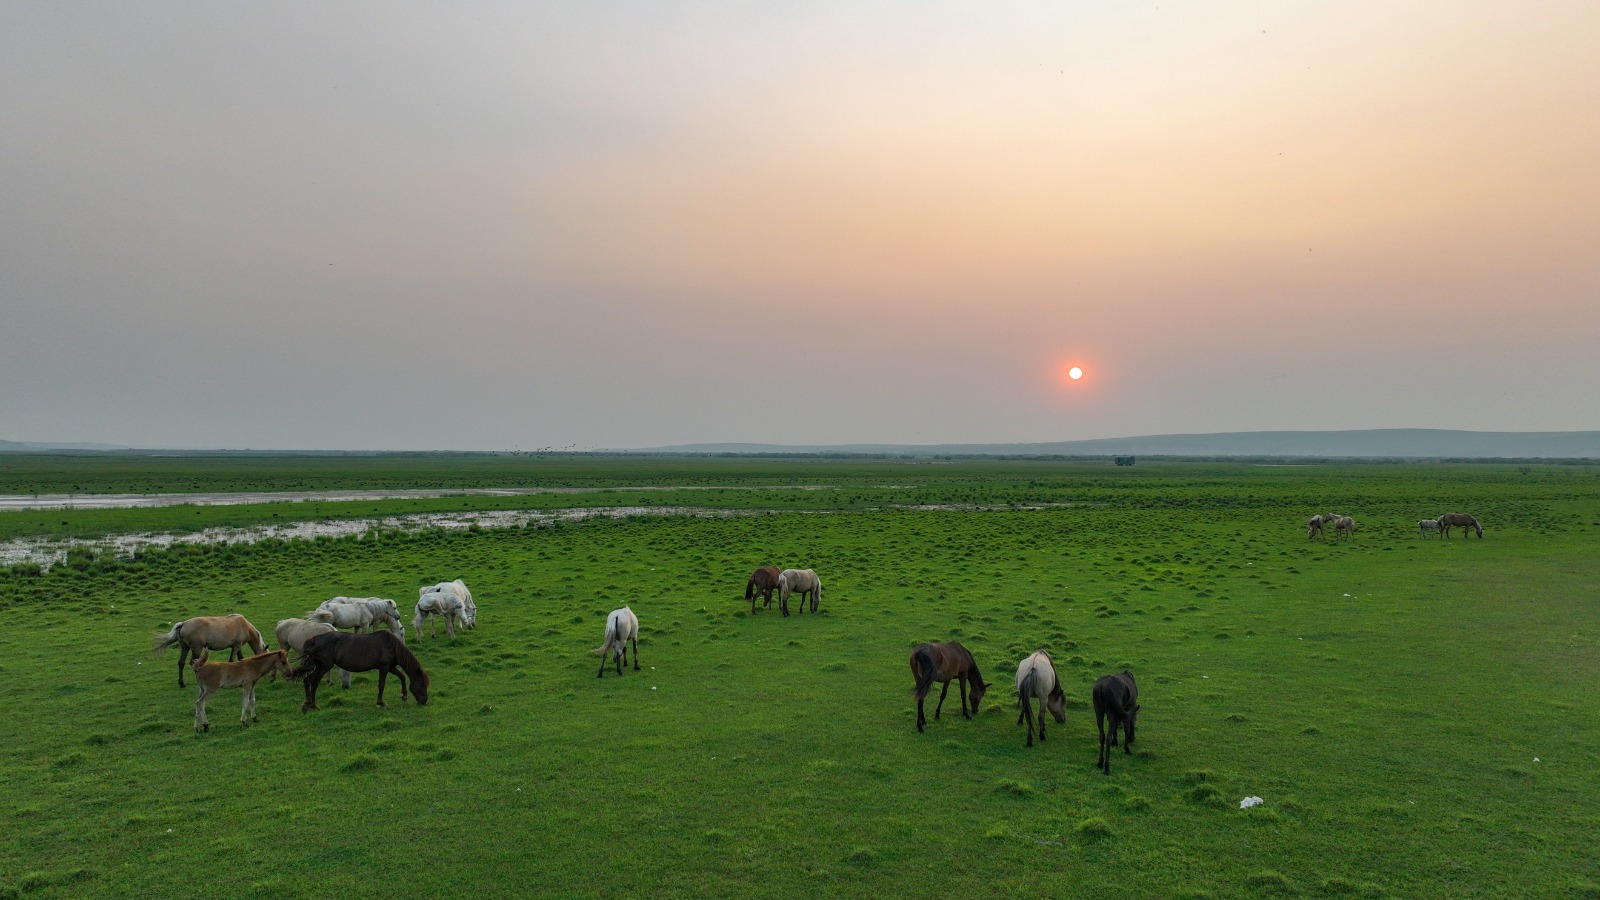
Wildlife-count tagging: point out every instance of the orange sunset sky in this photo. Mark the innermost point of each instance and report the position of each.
(487, 226)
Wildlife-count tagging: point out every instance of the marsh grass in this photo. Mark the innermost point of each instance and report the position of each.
(1387, 703)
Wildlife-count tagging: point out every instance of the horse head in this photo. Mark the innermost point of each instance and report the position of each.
(1057, 702)
(975, 694)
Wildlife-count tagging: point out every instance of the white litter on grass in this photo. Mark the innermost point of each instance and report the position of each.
(1347, 595)
(1536, 759)
(652, 687)
(1248, 802)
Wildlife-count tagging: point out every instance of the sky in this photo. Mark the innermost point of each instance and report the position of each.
(495, 226)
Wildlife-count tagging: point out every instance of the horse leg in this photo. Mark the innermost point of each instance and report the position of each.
(383, 676)
(233, 653)
(962, 690)
(603, 667)
(312, 680)
(1127, 736)
(1103, 760)
(200, 723)
(244, 705)
(921, 719)
(622, 650)
(635, 642)
(940, 707)
(183, 653)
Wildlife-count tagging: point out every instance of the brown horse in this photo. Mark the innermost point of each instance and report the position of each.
(211, 633)
(762, 581)
(214, 676)
(379, 650)
(1466, 523)
(944, 662)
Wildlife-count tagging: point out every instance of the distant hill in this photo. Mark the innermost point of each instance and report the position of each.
(1379, 443)
(45, 447)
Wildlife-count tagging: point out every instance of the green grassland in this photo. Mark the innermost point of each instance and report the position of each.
(1387, 696)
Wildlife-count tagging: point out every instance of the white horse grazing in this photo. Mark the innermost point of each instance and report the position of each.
(1344, 527)
(1428, 528)
(1036, 678)
(799, 581)
(360, 614)
(622, 626)
(445, 604)
(1313, 527)
(292, 634)
(459, 588)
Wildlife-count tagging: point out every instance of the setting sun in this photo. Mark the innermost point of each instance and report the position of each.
(1074, 373)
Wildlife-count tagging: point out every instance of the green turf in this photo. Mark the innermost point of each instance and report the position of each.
(1387, 697)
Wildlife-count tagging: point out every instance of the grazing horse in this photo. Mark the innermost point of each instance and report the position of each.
(1344, 527)
(1116, 697)
(1428, 528)
(292, 634)
(943, 662)
(622, 627)
(1036, 678)
(459, 588)
(214, 676)
(1313, 527)
(211, 633)
(380, 650)
(762, 581)
(799, 581)
(444, 604)
(360, 614)
(1465, 522)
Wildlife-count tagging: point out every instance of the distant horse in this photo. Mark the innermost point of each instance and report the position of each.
(211, 633)
(799, 581)
(622, 627)
(1428, 528)
(1116, 697)
(762, 581)
(1466, 523)
(360, 614)
(443, 604)
(380, 650)
(214, 676)
(1313, 527)
(459, 588)
(1036, 678)
(292, 634)
(942, 663)
(1344, 527)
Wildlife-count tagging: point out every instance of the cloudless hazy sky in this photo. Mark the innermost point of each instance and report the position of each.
(511, 225)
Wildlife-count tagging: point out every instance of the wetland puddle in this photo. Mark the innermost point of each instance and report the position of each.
(49, 551)
(231, 498)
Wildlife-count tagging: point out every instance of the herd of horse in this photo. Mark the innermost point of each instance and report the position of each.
(1115, 696)
(376, 642)
(1344, 527)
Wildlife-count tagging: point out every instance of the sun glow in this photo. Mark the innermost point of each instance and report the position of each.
(1074, 373)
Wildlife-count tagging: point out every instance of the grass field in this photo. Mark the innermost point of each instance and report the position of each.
(1420, 717)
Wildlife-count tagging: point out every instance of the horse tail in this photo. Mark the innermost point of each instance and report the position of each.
(922, 667)
(611, 638)
(163, 641)
(1025, 695)
(750, 588)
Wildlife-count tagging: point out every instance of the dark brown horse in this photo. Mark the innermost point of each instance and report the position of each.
(379, 650)
(1466, 523)
(1116, 697)
(944, 662)
(762, 581)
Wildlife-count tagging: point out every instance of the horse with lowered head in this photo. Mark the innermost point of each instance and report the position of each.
(1116, 698)
(459, 588)
(380, 650)
(440, 604)
(762, 581)
(211, 633)
(292, 634)
(1466, 523)
(945, 662)
(799, 581)
(1036, 678)
(622, 627)
(360, 614)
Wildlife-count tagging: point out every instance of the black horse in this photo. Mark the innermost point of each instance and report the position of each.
(1116, 697)
(379, 650)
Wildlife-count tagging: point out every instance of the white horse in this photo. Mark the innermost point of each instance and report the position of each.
(622, 626)
(1344, 527)
(1036, 678)
(1313, 527)
(1428, 528)
(459, 588)
(799, 581)
(292, 634)
(360, 614)
(446, 604)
